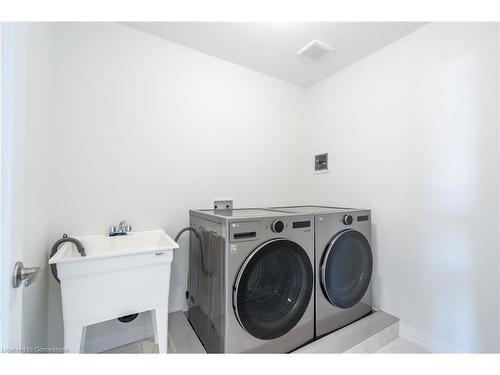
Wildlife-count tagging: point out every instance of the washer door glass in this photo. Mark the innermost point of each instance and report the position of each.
(346, 269)
(273, 289)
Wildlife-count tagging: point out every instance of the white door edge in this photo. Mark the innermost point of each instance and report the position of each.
(12, 97)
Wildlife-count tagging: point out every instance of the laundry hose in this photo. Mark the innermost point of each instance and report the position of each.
(55, 248)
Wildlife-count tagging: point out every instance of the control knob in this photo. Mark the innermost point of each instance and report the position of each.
(347, 219)
(277, 226)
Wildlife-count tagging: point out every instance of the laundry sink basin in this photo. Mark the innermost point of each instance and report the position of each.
(119, 276)
(104, 246)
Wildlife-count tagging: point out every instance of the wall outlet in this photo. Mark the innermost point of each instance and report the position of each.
(222, 203)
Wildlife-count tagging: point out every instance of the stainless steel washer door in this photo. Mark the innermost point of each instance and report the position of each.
(346, 269)
(273, 289)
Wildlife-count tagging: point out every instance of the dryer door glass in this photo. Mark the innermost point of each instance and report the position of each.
(346, 269)
(273, 289)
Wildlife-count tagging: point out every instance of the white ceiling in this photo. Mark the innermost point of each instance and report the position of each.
(271, 48)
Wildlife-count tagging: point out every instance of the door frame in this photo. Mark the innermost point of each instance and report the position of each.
(12, 110)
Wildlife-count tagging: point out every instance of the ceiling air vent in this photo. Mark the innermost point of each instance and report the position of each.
(315, 50)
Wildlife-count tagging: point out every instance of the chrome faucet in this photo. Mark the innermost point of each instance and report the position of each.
(122, 230)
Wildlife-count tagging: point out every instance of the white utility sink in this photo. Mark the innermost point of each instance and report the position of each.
(119, 276)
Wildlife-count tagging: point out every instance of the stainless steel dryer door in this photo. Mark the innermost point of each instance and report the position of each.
(273, 289)
(346, 268)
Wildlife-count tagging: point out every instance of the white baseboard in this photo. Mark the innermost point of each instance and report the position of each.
(424, 340)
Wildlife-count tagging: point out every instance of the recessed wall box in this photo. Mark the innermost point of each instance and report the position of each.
(321, 162)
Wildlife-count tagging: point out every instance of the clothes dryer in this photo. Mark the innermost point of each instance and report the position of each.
(343, 265)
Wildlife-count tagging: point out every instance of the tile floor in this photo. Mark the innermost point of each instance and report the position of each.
(139, 347)
(400, 345)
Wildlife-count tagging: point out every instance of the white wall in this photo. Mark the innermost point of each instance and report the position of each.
(412, 132)
(145, 129)
(122, 125)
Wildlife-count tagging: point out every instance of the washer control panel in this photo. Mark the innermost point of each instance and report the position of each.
(301, 224)
(244, 231)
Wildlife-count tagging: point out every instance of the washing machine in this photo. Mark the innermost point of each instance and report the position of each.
(343, 265)
(251, 280)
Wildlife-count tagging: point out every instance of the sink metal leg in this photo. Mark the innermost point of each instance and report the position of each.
(74, 339)
(84, 337)
(153, 320)
(161, 323)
